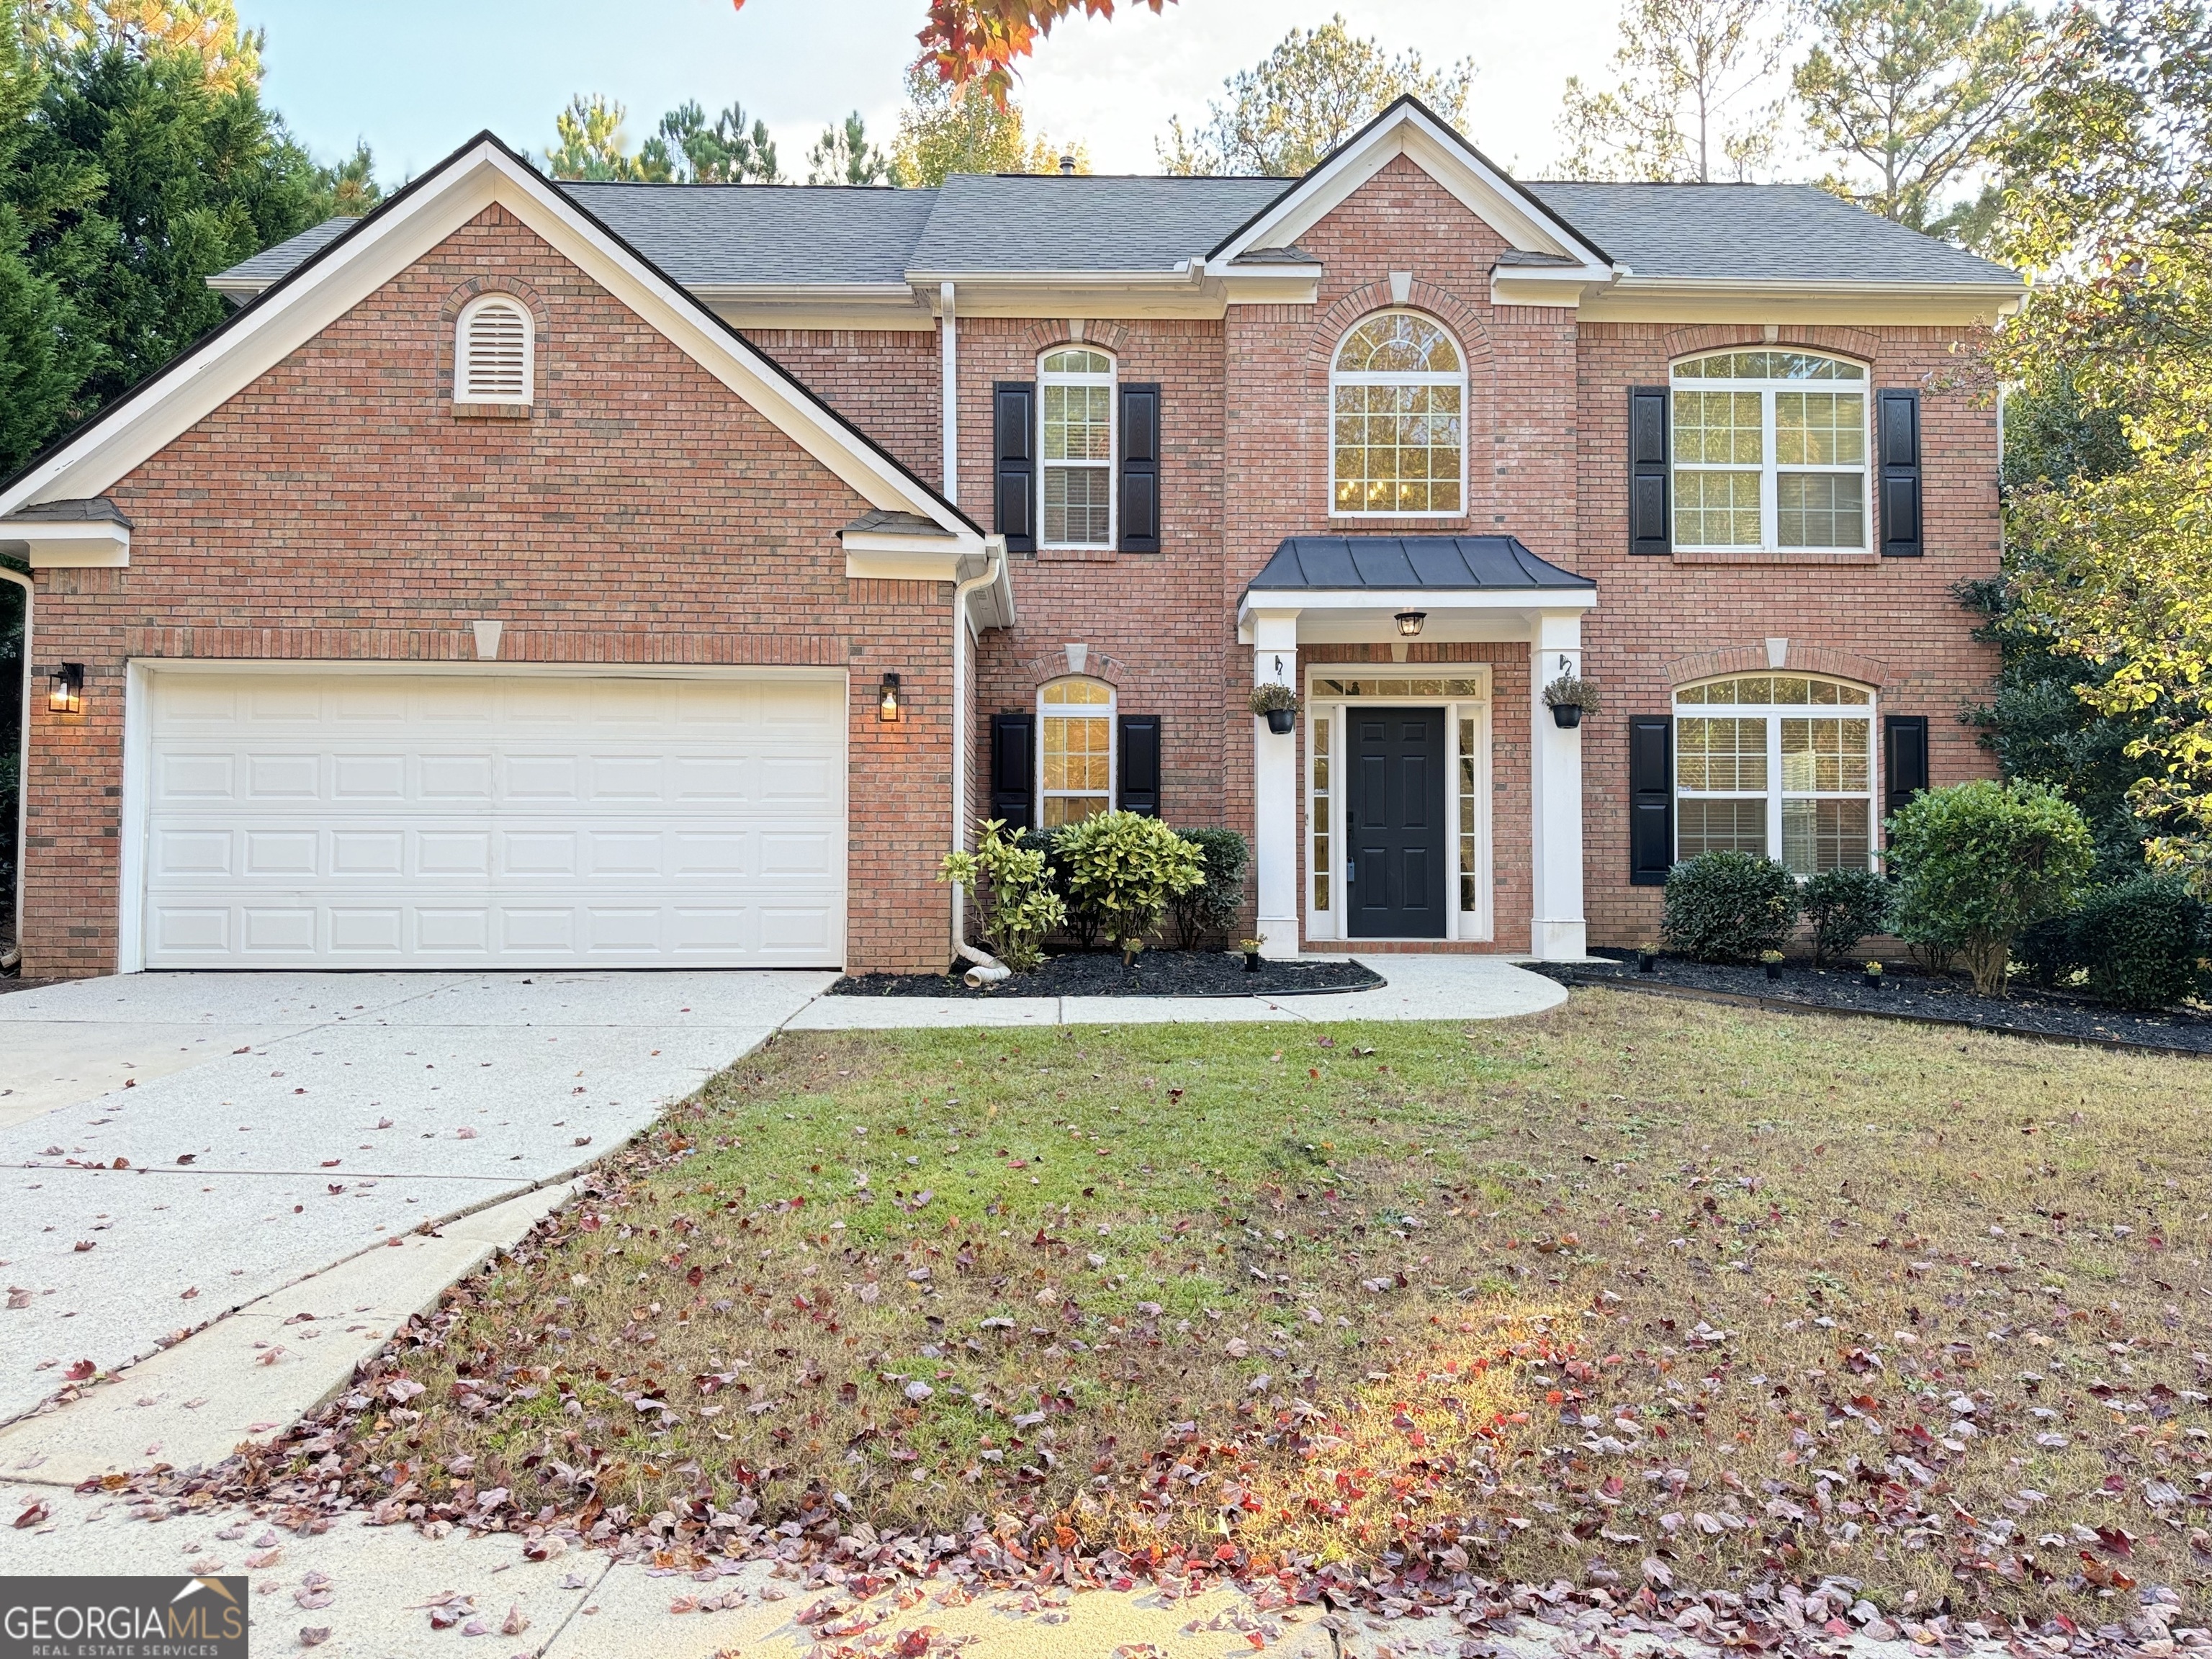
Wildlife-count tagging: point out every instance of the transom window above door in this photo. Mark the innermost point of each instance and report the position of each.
(1780, 766)
(1397, 403)
(1075, 400)
(1076, 735)
(1770, 451)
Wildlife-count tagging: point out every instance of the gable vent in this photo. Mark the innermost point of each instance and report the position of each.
(492, 353)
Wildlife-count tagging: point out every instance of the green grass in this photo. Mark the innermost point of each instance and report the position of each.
(1327, 1290)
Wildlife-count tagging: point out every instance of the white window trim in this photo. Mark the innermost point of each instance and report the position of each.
(1338, 377)
(1774, 713)
(1476, 925)
(1770, 488)
(464, 391)
(1110, 379)
(1109, 711)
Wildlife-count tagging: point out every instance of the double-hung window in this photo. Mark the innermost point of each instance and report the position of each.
(1398, 412)
(1076, 734)
(1076, 406)
(1770, 451)
(1780, 766)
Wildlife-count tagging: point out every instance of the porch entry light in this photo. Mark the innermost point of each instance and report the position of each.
(1409, 622)
(887, 709)
(65, 695)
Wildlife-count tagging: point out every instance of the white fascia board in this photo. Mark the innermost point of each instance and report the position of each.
(1484, 190)
(873, 555)
(1696, 300)
(379, 250)
(1358, 606)
(931, 282)
(1266, 285)
(69, 545)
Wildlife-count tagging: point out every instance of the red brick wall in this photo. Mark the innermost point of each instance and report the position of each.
(338, 509)
(1660, 622)
(886, 381)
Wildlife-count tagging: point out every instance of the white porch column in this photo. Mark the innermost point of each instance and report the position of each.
(1275, 787)
(1555, 812)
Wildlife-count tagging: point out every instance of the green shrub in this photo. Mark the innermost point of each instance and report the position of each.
(1124, 868)
(1978, 863)
(1211, 908)
(1844, 906)
(2050, 950)
(2144, 942)
(1727, 907)
(1015, 909)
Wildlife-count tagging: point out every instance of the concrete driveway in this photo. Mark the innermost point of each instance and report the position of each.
(174, 1145)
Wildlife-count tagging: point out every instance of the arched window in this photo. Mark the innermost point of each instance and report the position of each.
(1076, 409)
(1075, 735)
(1779, 766)
(493, 352)
(1770, 451)
(1397, 397)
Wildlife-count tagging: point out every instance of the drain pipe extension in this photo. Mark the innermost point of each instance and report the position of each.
(988, 968)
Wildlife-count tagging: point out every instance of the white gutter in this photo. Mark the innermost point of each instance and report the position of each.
(11, 954)
(949, 393)
(988, 969)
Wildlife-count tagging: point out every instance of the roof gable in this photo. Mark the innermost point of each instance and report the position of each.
(359, 258)
(1408, 128)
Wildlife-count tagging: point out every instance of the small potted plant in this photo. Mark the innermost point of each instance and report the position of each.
(1279, 704)
(1870, 977)
(1647, 958)
(1570, 697)
(1771, 961)
(1131, 950)
(1250, 947)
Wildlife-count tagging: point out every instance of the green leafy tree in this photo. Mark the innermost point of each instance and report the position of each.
(687, 149)
(229, 56)
(44, 350)
(843, 155)
(1317, 88)
(1908, 98)
(2111, 208)
(350, 189)
(1687, 103)
(1980, 863)
(946, 129)
(589, 141)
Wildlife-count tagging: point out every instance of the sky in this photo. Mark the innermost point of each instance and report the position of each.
(431, 73)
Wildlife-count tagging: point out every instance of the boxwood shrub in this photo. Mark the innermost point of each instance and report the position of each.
(2144, 943)
(1728, 907)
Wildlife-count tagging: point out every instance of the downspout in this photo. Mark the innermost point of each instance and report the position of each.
(11, 954)
(988, 970)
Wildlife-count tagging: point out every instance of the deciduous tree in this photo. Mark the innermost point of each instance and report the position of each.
(947, 128)
(1317, 88)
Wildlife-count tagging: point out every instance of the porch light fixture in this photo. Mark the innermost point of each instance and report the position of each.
(65, 695)
(887, 709)
(1409, 622)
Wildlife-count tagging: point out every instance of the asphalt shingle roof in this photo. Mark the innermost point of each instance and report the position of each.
(1791, 233)
(740, 235)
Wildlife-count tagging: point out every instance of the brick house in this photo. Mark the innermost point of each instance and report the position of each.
(533, 575)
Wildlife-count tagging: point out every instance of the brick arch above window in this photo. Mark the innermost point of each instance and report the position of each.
(1057, 665)
(1048, 332)
(1799, 659)
(1694, 339)
(1346, 314)
(476, 287)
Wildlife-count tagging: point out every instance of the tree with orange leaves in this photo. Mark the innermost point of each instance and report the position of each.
(970, 39)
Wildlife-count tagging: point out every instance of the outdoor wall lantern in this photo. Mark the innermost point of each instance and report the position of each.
(66, 694)
(887, 709)
(1409, 622)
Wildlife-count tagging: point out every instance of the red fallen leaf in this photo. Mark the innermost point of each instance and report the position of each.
(2116, 1540)
(120, 1164)
(187, 1157)
(335, 1188)
(313, 1636)
(130, 1082)
(18, 1297)
(190, 1294)
(516, 1621)
(33, 1516)
(392, 1243)
(83, 1245)
(590, 1223)
(695, 1276)
(330, 1163)
(269, 1356)
(583, 1140)
(81, 1370)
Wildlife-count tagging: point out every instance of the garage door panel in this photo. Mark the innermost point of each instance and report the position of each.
(325, 819)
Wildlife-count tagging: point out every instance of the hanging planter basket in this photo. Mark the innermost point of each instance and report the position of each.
(1566, 715)
(1570, 697)
(1282, 721)
(1278, 705)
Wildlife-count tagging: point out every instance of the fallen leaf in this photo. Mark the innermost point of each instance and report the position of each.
(188, 1295)
(516, 1621)
(33, 1516)
(83, 1244)
(81, 1371)
(313, 1636)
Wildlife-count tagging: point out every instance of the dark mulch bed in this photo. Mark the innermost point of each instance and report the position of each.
(1158, 974)
(1907, 993)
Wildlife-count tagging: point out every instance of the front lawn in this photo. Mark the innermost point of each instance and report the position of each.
(1635, 1290)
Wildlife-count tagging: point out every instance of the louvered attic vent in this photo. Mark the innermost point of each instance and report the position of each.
(492, 353)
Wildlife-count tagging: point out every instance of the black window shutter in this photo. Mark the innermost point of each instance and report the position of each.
(1141, 468)
(1904, 759)
(1013, 766)
(1013, 450)
(1650, 528)
(1140, 764)
(1897, 439)
(1650, 799)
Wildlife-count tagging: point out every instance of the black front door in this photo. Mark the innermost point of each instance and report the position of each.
(1394, 823)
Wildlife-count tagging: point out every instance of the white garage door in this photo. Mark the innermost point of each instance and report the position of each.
(335, 819)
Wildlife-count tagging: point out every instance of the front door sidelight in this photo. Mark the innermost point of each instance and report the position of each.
(1394, 823)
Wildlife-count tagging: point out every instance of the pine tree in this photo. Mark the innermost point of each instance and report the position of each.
(44, 353)
(686, 150)
(843, 155)
(1683, 105)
